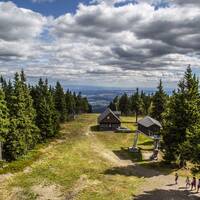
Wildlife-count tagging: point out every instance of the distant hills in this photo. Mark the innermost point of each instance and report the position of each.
(100, 97)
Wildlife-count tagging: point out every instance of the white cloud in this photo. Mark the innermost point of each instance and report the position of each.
(20, 29)
(126, 45)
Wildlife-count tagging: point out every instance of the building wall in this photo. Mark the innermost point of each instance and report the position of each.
(152, 130)
(108, 126)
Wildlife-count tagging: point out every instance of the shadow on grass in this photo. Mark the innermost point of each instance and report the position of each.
(125, 154)
(160, 194)
(147, 143)
(94, 128)
(129, 122)
(138, 167)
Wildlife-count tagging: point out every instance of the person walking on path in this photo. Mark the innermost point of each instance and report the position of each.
(187, 182)
(194, 183)
(176, 178)
(198, 186)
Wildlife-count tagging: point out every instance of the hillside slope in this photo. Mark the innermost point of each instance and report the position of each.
(84, 164)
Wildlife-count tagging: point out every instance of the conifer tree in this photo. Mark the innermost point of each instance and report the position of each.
(136, 104)
(159, 103)
(146, 103)
(181, 131)
(4, 119)
(70, 103)
(60, 102)
(112, 106)
(23, 133)
(124, 105)
(46, 115)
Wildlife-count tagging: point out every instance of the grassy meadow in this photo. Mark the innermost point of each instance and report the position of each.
(79, 164)
(71, 161)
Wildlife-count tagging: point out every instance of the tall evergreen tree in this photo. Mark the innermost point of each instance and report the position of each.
(124, 105)
(136, 104)
(146, 103)
(112, 106)
(60, 102)
(159, 103)
(182, 119)
(46, 118)
(23, 133)
(4, 119)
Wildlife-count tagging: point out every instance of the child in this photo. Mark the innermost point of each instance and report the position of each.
(193, 184)
(187, 182)
(198, 186)
(176, 178)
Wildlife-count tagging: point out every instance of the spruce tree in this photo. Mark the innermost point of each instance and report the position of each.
(146, 103)
(159, 102)
(46, 115)
(183, 120)
(4, 118)
(23, 133)
(112, 106)
(60, 102)
(124, 105)
(136, 104)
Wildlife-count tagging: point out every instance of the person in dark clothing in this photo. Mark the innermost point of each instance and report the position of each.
(194, 183)
(198, 186)
(176, 178)
(187, 182)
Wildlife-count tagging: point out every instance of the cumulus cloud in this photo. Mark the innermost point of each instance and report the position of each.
(129, 39)
(20, 29)
(128, 44)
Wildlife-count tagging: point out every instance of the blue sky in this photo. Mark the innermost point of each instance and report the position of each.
(55, 8)
(114, 43)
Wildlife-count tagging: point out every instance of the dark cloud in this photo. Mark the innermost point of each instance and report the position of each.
(129, 43)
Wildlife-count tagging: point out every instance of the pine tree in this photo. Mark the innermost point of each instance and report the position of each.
(23, 133)
(46, 117)
(136, 104)
(146, 103)
(60, 102)
(112, 106)
(124, 105)
(182, 120)
(159, 103)
(4, 119)
(79, 103)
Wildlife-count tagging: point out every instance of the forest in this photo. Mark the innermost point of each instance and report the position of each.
(178, 113)
(31, 114)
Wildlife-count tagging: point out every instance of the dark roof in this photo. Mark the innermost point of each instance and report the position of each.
(106, 113)
(117, 112)
(148, 121)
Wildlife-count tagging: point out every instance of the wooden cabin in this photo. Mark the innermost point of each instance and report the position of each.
(109, 121)
(149, 126)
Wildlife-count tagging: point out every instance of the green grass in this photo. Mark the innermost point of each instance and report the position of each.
(121, 141)
(74, 160)
(64, 161)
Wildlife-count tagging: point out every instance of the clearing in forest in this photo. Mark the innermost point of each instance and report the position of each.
(83, 163)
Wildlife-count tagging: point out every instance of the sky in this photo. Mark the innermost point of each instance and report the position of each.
(112, 43)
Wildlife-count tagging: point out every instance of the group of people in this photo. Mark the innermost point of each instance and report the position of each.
(190, 183)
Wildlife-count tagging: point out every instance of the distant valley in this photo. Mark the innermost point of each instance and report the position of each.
(100, 97)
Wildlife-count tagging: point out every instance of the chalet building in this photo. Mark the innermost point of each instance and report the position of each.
(149, 126)
(108, 120)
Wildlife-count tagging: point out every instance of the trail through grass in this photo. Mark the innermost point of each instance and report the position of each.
(84, 164)
(71, 168)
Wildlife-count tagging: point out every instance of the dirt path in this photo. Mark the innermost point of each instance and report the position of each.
(157, 186)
